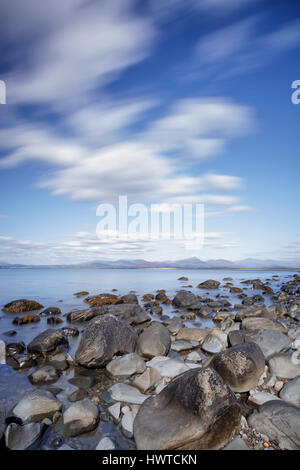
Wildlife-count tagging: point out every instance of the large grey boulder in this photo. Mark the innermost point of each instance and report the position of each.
(197, 410)
(80, 417)
(240, 366)
(104, 337)
(291, 392)
(279, 421)
(282, 365)
(47, 341)
(37, 405)
(186, 299)
(154, 341)
(269, 341)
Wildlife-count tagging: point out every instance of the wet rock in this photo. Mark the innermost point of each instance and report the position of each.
(168, 367)
(129, 299)
(68, 331)
(195, 411)
(240, 366)
(82, 381)
(126, 393)
(174, 325)
(36, 406)
(235, 290)
(269, 341)
(262, 324)
(154, 341)
(47, 341)
(106, 444)
(210, 284)
(77, 395)
(114, 411)
(291, 392)
(82, 293)
(44, 375)
(102, 339)
(279, 421)
(54, 320)
(80, 417)
(149, 379)
(22, 305)
(15, 348)
(281, 365)
(50, 311)
(21, 437)
(26, 320)
(24, 362)
(10, 333)
(126, 365)
(183, 278)
(102, 299)
(60, 361)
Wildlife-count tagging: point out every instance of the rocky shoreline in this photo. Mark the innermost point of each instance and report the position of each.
(142, 379)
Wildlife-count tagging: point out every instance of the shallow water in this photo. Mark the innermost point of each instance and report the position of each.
(56, 288)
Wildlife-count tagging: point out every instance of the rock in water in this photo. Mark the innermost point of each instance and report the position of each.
(186, 299)
(280, 422)
(36, 406)
(21, 437)
(240, 366)
(210, 284)
(44, 375)
(197, 410)
(80, 417)
(22, 305)
(154, 341)
(47, 341)
(104, 337)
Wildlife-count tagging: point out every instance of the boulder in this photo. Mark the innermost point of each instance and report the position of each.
(192, 334)
(126, 393)
(279, 421)
(291, 392)
(269, 341)
(22, 305)
(186, 299)
(215, 341)
(126, 365)
(154, 341)
(80, 417)
(131, 313)
(240, 366)
(195, 411)
(282, 365)
(210, 284)
(104, 337)
(36, 406)
(47, 341)
(79, 316)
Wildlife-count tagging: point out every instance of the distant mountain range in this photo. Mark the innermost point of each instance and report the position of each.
(189, 263)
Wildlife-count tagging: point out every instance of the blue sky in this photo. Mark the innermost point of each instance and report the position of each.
(164, 101)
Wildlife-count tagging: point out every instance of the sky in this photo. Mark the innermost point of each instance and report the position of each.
(162, 101)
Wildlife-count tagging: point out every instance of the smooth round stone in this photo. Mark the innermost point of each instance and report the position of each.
(126, 393)
(182, 345)
(21, 437)
(106, 444)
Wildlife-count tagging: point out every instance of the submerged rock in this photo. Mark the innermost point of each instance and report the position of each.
(197, 410)
(104, 337)
(22, 305)
(47, 341)
(186, 299)
(210, 284)
(44, 375)
(36, 406)
(240, 366)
